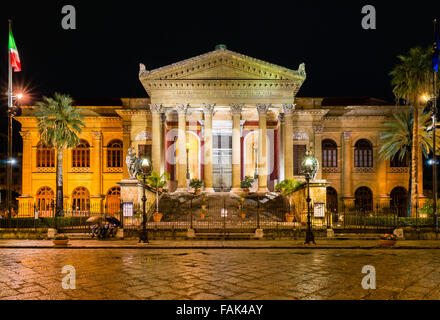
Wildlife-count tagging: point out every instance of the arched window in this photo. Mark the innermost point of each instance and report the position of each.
(45, 156)
(81, 155)
(363, 154)
(80, 201)
(113, 201)
(396, 162)
(114, 154)
(329, 154)
(399, 201)
(45, 198)
(363, 199)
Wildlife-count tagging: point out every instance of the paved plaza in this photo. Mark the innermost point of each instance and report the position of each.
(219, 273)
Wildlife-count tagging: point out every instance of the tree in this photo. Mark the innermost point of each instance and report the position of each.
(397, 141)
(59, 125)
(411, 78)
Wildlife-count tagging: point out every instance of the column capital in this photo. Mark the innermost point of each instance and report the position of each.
(208, 108)
(281, 117)
(262, 108)
(26, 135)
(236, 108)
(126, 129)
(182, 108)
(288, 108)
(163, 117)
(318, 129)
(97, 135)
(156, 108)
(347, 135)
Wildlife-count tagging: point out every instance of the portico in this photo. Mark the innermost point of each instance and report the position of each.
(216, 100)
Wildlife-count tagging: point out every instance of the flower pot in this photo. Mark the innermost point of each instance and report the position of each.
(203, 215)
(289, 217)
(157, 216)
(197, 191)
(204, 206)
(246, 191)
(387, 243)
(243, 215)
(60, 242)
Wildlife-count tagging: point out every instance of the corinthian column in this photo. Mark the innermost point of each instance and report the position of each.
(347, 168)
(288, 110)
(96, 197)
(208, 110)
(181, 147)
(236, 153)
(317, 130)
(262, 147)
(156, 110)
(282, 121)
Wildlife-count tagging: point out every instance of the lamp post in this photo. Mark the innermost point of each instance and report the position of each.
(187, 161)
(142, 176)
(310, 167)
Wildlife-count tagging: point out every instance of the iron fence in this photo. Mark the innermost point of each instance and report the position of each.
(218, 213)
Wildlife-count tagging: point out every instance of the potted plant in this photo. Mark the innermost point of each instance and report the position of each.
(157, 182)
(203, 213)
(246, 184)
(204, 203)
(241, 207)
(388, 239)
(196, 184)
(287, 188)
(60, 240)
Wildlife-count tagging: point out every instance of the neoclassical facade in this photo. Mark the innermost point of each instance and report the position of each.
(219, 117)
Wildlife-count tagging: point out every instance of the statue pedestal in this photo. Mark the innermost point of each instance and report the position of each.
(131, 191)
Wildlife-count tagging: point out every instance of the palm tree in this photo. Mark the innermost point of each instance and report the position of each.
(397, 141)
(411, 78)
(59, 125)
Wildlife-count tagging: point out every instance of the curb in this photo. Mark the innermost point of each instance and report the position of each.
(224, 247)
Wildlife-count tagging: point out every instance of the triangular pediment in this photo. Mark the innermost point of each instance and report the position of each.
(222, 64)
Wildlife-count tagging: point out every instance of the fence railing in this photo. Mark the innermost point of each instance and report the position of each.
(216, 213)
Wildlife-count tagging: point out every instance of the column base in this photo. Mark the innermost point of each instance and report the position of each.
(262, 190)
(180, 190)
(208, 189)
(236, 190)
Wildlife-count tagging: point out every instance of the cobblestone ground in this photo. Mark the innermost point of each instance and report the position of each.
(219, 274)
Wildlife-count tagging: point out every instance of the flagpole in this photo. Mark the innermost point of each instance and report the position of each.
(10, 104)
(434, 116)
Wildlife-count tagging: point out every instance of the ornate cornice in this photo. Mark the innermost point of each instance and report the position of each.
(156, 108)
(182, 108)
(236, 108)
(262, 108)
(208, 108)
(288, 108)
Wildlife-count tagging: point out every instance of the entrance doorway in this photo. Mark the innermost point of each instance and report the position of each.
(222, 155)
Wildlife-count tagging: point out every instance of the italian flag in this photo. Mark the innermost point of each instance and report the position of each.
(15, 58)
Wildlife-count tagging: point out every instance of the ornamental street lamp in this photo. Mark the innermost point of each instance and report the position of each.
(309, 169)
(187, 161)
(142, 176)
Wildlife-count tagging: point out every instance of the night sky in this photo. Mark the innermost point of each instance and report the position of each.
(100, 59)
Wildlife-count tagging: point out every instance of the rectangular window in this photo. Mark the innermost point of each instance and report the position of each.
(299, 152)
